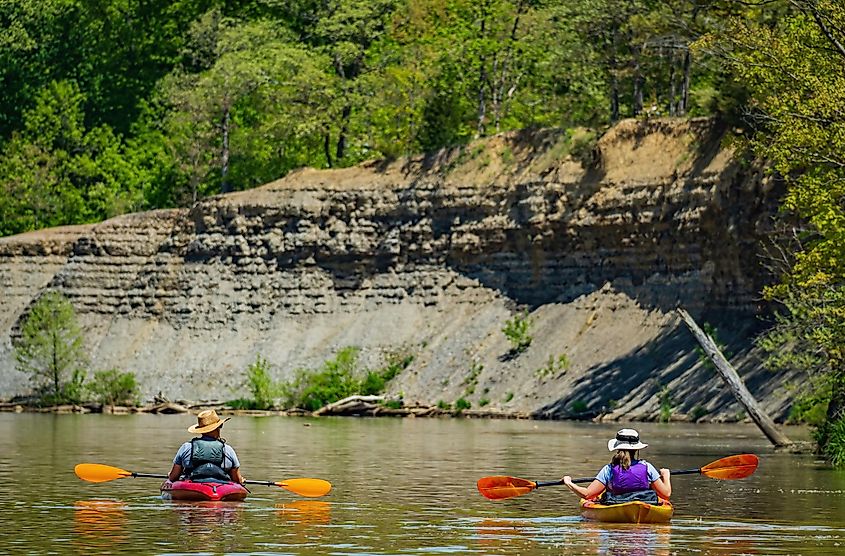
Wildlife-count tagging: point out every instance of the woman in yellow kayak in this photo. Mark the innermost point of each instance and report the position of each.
(626, 477)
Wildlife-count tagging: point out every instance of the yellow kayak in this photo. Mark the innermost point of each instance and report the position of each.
(629, 512)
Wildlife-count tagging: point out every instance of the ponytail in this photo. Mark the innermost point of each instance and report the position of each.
(623, 458)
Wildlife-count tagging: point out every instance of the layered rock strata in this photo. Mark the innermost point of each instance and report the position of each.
(431, 256)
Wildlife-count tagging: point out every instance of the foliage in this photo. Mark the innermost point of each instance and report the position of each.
(713, 332)
(375, 381)
(483, 402)
(471, 379)
(553, 366)
(162, 102)
(793, 67)
(445, 406)
(517, 330)
(113, 387)
(335, 380)
(260, 384)
(508, 397)
(577, 407)
(666, 402)
(51, 349)
(830, 436)
(462, 404)
(339, 378)
(697, 413)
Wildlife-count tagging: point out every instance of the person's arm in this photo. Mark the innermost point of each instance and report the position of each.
(663, 485)
(593, 490)
(235, 470)
(175, 472)
(235, 474)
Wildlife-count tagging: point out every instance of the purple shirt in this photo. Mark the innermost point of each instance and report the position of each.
(619, 481)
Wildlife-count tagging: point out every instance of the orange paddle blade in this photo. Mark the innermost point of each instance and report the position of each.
(731, 467)
(500, 487)
(98, 473)
(306, 487)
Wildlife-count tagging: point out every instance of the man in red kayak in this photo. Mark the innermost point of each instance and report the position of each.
(208, 457)
(626, 477)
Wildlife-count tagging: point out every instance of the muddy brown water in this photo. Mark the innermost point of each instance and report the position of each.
(401, 486)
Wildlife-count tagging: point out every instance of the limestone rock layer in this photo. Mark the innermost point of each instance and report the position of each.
(431, 256)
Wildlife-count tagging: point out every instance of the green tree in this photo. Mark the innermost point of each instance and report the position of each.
(256, 88)
(55, 171)
(795, 70)
(51, 349)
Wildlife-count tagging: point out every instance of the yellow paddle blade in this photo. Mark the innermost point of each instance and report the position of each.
(98, 473)
(731, 467)
(306, 487)
(501, 487)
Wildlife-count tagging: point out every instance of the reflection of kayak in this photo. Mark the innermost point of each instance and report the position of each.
(629, 512)
(191, 491)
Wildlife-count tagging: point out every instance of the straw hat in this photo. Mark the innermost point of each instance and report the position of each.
(207, 421)
(626, 439)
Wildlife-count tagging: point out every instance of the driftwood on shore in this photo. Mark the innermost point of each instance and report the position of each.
(736, 385)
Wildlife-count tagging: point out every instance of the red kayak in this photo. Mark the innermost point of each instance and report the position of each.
(203, 492)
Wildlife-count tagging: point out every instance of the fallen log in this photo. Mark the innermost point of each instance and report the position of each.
(735, 383)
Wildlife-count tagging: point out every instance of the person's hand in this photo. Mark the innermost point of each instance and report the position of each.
(567, 480)
(664, 473)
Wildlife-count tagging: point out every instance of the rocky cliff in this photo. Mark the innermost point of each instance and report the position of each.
(432, 255)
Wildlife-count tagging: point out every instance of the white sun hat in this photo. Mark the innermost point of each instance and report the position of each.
(626, 439)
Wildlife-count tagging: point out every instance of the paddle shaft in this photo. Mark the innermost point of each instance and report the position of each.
(591, 479)
(157, 476)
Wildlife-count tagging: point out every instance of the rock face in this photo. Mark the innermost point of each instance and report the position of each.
(431, 256)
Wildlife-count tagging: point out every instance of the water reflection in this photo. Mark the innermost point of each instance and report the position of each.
(305, 512)
(199, 519)
(99, 524)
(628, 540)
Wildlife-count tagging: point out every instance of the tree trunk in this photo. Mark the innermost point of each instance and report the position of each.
(224, 154)
(639, 82)
(683, 104)
(734, 382)
(327, 148)
(344, 129)
(672, 92)
(836, 405)
(614, 99)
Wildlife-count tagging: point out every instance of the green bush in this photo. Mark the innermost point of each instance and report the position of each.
(831, 437)
(517, 331)
(462, 404)
(312, 389)
(113, 387)
(665, 405)
(339, 378)
(483, 401)
(508, 397)
(260, 384)
(443, 405)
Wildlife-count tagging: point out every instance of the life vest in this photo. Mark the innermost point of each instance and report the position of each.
(628, 480)
(207, 458)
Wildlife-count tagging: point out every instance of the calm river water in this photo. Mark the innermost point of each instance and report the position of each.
(401, 486)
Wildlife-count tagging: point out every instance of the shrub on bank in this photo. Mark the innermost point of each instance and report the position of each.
(113, 387)
(339, 378)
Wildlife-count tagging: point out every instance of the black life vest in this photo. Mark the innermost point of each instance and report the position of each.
(207, 458)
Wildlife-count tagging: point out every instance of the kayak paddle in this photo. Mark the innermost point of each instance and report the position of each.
(98, 473)
(730, 467)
